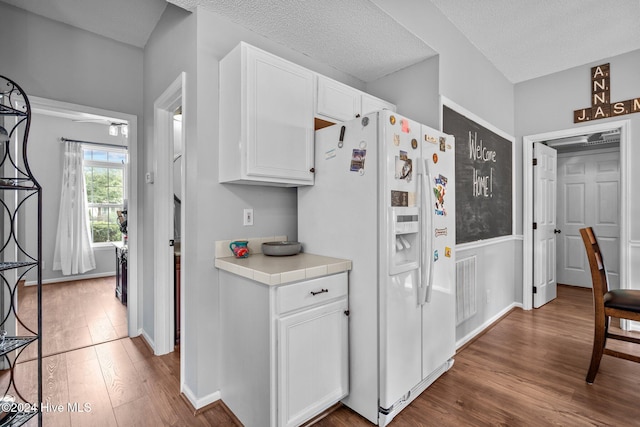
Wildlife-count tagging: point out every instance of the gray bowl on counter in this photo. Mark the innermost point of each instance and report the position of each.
(281, 248)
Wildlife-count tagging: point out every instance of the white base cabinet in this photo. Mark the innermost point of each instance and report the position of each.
(284, 348)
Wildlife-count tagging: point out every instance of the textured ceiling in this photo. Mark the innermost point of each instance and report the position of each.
(524, 39)
(529, 39)
(354, 36)
(127, 21)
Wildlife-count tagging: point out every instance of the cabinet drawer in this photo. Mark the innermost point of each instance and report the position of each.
(310, 292)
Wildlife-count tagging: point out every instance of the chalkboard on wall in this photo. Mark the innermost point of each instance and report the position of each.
(484, 162)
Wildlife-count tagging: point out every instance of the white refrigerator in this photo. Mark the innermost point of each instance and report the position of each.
(384, 198)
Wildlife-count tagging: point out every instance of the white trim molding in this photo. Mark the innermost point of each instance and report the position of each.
(200, 402)
(72, 278)
(471, 335)
(487, 242)
(164, 107)
(527, 200)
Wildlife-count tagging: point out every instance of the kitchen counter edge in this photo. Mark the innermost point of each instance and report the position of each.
(273, 271)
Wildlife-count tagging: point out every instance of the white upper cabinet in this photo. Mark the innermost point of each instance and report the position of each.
(371, 104)
(267, 111)
(337, 101)
(266, 119)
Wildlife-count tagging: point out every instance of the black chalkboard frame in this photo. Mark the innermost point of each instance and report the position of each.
(491, 213)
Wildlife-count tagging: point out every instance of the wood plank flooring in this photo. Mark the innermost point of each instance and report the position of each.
(528, 370)
(75, 314)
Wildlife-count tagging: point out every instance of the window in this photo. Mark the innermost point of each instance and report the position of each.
(104, 174)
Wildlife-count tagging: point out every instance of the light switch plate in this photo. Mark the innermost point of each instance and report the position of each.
(248, 217)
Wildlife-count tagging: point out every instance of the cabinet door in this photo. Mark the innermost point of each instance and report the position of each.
(312, 361)
(371, 104)
(279, 118)
(336, 100)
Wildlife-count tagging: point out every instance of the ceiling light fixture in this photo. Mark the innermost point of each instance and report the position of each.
(572, 140)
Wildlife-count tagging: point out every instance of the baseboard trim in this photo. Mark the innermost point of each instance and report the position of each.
(72, 278)
(198, 405)
(147, 340)
(485, 327)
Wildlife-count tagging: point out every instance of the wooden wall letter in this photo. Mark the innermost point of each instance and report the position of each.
(601, 105)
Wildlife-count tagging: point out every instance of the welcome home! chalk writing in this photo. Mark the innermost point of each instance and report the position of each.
(482, 184)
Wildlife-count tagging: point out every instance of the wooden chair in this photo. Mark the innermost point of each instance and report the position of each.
(618, 303)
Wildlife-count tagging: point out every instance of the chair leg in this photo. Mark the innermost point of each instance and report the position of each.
(599, 340)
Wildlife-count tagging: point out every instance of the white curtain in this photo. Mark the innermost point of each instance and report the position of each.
(73, 253)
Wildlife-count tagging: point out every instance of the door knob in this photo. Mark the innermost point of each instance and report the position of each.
(556, 231)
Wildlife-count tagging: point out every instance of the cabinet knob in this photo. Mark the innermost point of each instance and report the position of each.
(346, 312)
(321, 291)
(312, 170)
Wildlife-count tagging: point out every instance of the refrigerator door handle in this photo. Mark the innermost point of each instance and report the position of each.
(426, 236)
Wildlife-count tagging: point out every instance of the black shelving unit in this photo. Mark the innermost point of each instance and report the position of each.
(20, 253)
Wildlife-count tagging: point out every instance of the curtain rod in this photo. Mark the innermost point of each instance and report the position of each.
(63, 139)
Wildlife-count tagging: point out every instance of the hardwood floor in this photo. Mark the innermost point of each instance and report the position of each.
(528, 370)
(75, 314)
(118, 383)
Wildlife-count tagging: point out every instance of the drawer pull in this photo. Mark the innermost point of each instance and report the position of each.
(321, 291)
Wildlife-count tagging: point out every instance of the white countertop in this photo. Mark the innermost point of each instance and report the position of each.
(271, 270)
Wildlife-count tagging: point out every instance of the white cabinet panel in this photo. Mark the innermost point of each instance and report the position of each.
(339, 102)
(266, 119)
(336, 100)
(313, 361)
(371, 104)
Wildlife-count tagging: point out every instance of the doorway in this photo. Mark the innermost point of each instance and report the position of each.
(80, 115)
(570, 140)
(588, 195)
(165, 128)
(177, 217)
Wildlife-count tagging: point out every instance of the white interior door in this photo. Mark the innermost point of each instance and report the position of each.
(588, 196)
(544, 215)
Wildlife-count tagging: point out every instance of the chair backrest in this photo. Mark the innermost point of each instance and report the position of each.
(596, 263)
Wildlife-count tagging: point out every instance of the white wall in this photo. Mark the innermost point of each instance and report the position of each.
(56, 61)
(414, 90)
(45, 154)
(547, 103)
